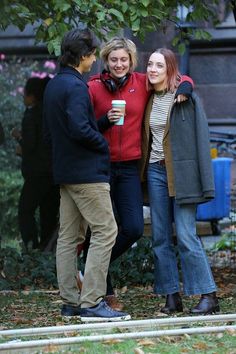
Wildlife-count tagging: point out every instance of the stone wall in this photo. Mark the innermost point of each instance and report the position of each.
(213, 69)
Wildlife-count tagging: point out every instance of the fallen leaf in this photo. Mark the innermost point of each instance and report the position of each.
(51, 349)
(71, 334)
(187, 336)
(138, 351)
(59, 324)
(200, 346)
(231, 331)
(173, 339)
(112, 341)
(160, 314)
(145, 342)
(124, 290)
(20, 320)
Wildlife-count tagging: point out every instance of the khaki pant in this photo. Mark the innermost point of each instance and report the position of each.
(85, 204)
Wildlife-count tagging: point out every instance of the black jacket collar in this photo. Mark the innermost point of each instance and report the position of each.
(72, 71)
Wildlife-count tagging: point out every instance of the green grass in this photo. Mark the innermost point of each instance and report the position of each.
(210, 344)
(40, 309)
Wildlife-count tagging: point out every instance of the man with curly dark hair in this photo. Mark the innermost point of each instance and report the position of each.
(81, 165)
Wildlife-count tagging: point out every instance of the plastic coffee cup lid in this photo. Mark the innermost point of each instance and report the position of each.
(120, 102)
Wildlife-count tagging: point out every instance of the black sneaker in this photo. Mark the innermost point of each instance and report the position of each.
(69, 310)
(102, 312)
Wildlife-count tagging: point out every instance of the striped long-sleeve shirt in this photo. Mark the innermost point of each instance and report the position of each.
(158, 118)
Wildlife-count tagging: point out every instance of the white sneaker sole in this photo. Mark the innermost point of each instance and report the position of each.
(68, 318)
(105, 319)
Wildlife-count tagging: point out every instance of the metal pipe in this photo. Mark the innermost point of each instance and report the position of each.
(103, 337)
(126, 324)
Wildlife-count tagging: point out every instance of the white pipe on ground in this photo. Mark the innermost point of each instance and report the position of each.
(104, 337)
(126, 324)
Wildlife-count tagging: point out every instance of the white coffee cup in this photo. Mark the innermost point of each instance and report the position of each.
(121, 105)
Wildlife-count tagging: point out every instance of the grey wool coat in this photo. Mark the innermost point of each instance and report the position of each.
(187, 152)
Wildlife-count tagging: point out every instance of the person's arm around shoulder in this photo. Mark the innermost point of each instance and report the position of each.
(185, 89)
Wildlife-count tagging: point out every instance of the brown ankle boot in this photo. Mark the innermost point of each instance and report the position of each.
(113, 302)
(173, 304)
(207, 305)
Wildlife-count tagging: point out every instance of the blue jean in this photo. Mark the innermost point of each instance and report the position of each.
(126, 195)
(196, 273)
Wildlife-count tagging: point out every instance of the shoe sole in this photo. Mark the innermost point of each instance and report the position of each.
(171, 311)
(66, 317)
(205, 313)
(105, 319)
(215, 311)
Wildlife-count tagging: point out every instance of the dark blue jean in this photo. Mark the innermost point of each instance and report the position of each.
(127, 200)
(196, 272)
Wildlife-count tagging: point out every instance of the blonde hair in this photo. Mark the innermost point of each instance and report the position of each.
(119, 43)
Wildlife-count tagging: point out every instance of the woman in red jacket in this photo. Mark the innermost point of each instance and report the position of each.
(119, 82)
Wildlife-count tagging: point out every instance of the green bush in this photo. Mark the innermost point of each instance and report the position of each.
(23, 271)
(226, 242)
(10, 187)
(134, 267)
(38, 269)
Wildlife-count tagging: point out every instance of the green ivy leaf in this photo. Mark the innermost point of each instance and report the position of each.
(145, 3)
(124, 6)
(136, 25)
(144, 12)
(116, 13)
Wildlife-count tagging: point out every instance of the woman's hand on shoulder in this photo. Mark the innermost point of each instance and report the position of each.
(180, 98)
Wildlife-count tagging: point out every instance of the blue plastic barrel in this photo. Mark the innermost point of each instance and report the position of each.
(219, 207)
